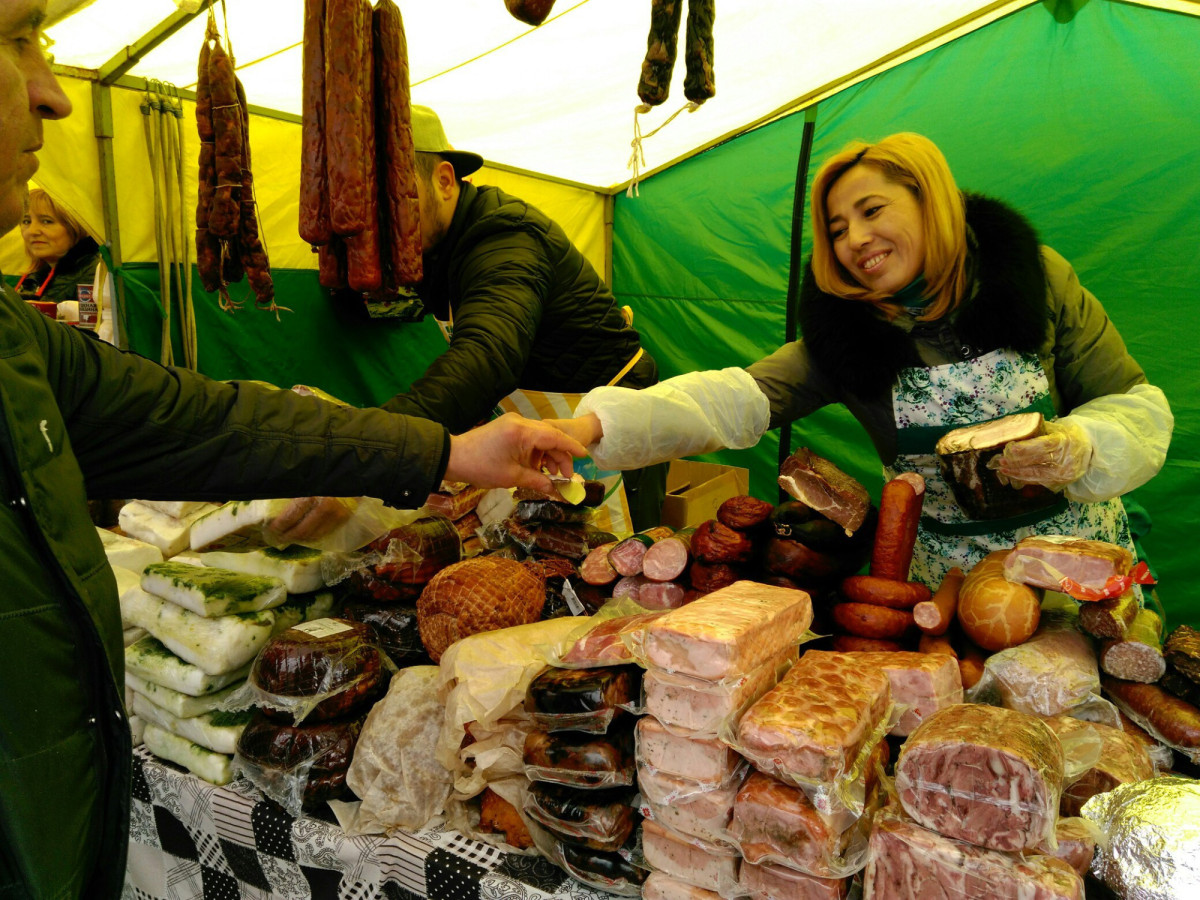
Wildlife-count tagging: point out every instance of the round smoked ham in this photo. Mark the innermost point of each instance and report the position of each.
(311, 760)
(481, 594)
(318, 670)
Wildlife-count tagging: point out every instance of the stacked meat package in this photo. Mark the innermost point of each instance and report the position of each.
(313, 685)
(979, 790)
(580, 760)
(705, 664)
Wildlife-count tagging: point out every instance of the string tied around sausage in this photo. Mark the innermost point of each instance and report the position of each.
(637, 159)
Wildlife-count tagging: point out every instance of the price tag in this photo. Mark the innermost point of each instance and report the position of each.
(573, 602)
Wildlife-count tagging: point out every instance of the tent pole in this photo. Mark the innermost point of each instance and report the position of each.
(102, 123)
(795, 259)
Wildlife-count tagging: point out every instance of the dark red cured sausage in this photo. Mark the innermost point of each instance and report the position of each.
(661, 595)
(668, 559)
(531, 12)
(331, 265)
(596, 568)
(627, 556)
(1176, 721)
(699, 83)
(208, 252)
(230, 145)
(713, 542)
(793, 559)
(885, 591)
(866, 620)
(744, 513)
(709, 577)
(400, 218)
(314, 184)
(661, 49)
(364, 266)
(896, 533)
(250, 247)
(347, 38)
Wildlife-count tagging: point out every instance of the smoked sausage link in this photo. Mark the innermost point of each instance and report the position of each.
(364, 270)
(230, 146)
(884, 591)
(400, 215)
(346, 42)
(896, 533)
(314, 186)
(699, 83)
(661, 48)
(869, 621)
(1176, 721)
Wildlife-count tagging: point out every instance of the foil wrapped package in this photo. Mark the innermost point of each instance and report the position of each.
(1153, 830)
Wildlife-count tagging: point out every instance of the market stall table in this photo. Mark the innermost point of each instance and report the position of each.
(190, 840)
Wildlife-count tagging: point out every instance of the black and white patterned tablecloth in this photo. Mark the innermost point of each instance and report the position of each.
(190, 840)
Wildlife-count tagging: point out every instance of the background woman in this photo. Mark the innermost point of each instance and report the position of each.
(62, 255)
(925, 309)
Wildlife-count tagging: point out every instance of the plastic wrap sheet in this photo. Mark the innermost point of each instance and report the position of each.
(1153, 830)
(484, 677)
(394, 770)
(983, 774)
(1050, 674)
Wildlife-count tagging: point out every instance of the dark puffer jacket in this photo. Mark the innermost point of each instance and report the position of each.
(78, 266)
(80, 418)
(529, 312)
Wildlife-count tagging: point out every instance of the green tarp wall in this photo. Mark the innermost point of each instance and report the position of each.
(1088, 124)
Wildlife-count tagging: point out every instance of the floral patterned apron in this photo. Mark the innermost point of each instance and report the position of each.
(928, 402)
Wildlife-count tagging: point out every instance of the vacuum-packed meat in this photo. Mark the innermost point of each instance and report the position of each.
(582, 760)
(983, 774)
(710, 866)
(921, 682)
(705, 760)
(1122, 759)
(812, 725)
(781, 883)
(728, 632)
(582, 699)
(701, 706)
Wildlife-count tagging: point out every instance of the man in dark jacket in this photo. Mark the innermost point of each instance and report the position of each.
(79, 417)
(524, 308)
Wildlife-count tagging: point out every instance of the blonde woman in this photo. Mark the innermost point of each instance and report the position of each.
(925, 309)
(62, 255)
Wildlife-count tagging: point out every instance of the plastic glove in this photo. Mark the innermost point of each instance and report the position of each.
(1129, 435)
(1054, 459)
(693, 413)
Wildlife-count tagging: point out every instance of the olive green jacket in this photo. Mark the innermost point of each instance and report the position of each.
(529, 312)
(79, 419)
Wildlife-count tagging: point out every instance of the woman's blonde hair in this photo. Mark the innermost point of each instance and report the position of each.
(41, 203)
(914, 161)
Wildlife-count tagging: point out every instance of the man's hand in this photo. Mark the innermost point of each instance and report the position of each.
(587, 429)
(511, 452)
(308, 519)
(1054, 460)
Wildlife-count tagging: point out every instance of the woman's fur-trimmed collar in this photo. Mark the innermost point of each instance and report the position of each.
(862, 352)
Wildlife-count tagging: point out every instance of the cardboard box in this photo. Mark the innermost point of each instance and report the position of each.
(696, 489)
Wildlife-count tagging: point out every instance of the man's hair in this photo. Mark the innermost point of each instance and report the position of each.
(915, 162)
(426, 163)
(39, 202)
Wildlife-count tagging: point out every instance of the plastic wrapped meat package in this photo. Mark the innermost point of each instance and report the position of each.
(726, 633)
(701, 707)
(582, 760)
(585, 700)
(1153, 830)
(394, 771)
(922, 683)
(484, 678)
(704, 760)
(775, 823)
(297, 766)
(601, 820)
(983, 774)
(688, 809)
(315, 671)
(598, 640)
(606, 871)
(908, 861)
(1047, 560)
(818, 727)
(660, 886)
(713, 867)
(1116, 758)
(1077, 839)
(765, 882)
(1052, 673)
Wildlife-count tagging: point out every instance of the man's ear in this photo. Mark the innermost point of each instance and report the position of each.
(444, 178)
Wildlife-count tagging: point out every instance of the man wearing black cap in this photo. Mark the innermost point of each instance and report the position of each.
(525, 313)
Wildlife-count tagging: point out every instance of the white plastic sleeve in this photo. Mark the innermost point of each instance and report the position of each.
(693, 413)
(1129, 434)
